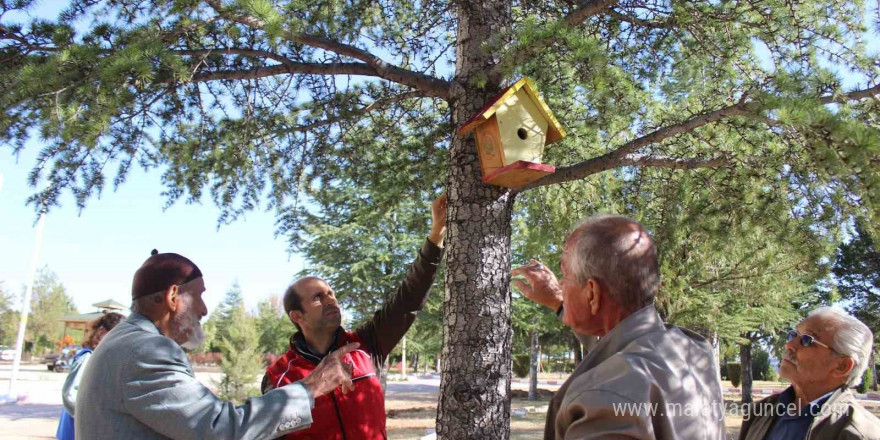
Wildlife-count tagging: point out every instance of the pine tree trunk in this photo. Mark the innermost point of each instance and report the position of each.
(533, 367)
(403, 358)
(872, 367)
(745, 357)
(577, 349)
(383, 374)
(477, 341)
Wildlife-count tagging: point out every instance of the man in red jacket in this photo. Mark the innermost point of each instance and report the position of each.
(311, 305)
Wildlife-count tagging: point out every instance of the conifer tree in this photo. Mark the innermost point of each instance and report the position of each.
(248, 102)
(239, 342)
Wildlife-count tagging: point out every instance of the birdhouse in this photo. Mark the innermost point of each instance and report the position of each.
(511, 132)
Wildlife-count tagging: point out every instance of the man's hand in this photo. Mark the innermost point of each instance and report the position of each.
(331, 373)
(438, 220)
(542, 287)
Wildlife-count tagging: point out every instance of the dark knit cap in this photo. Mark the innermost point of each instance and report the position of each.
(162, 271)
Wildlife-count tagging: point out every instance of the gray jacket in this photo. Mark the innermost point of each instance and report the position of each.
(71, 384)
(140, 385)
(643, 380)
(841, 417)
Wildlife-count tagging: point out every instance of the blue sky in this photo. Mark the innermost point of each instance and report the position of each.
(96, 253)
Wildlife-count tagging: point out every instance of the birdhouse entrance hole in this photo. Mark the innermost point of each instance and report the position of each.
(511, 132)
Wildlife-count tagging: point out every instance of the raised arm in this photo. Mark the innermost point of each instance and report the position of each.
(390, 323)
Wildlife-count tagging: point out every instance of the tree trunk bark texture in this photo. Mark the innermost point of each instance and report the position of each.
(578, 350)
(533, 367)
(477, 340)
(745, 357)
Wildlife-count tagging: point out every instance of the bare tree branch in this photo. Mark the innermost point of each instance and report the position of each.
(431, 85)
(623, 155)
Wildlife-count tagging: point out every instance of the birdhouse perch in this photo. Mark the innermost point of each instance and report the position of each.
(511, 132)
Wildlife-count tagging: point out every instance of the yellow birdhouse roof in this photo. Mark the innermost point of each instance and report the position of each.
(554, 128)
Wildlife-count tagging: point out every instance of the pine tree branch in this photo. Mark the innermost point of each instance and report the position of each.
(619, 157)
(732, 276)
(667, 23)
(377, 104)
(587, 10)
(290, 68)
(676, 163)
(430, 85)
(572, 19)
(238, 51)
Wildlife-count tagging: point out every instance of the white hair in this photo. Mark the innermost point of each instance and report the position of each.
(619, 252)
(852, 338)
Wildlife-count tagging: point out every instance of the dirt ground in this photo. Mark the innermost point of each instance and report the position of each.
(411, 405)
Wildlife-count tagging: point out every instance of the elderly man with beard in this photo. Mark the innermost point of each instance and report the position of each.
(140, 384)
(311, 305)
(825, 355)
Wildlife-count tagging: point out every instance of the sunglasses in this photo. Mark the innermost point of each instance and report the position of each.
(806, 340)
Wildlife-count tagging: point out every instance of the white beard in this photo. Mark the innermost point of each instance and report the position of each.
(187, 328)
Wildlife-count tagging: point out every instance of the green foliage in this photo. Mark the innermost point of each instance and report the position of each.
(734, 373)
(867, 380)
(8, 317)
(273, 326)
(239, 343)
(49, 304)
(761, 368)
(521, 365)
(857, 276)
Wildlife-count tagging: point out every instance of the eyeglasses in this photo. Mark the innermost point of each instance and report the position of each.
(807, 340)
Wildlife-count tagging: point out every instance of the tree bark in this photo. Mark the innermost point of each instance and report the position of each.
(577, 349)
(533, 367)
(745, 357)
(477, 341)
(873, 366)
(403, 358)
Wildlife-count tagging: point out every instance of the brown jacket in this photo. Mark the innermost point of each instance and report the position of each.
(841, 417)
(643, 380)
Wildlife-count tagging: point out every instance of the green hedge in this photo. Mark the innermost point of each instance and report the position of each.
(734, 373)
(521, 365)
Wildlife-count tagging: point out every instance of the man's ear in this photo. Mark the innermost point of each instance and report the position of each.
(295, 317)
(172, 294)
(845, 365)
(592, 290)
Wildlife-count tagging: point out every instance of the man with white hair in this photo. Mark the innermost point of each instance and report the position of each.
(825, 355)
(140, 384)
(643, 379)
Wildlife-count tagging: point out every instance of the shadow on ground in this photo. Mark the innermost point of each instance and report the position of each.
(30, 411)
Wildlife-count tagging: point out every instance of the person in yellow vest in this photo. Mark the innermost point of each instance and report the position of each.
(825, 355)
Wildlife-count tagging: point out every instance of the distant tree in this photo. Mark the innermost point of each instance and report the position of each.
(8, 317)
(224, 315)
(273, 327)
(761, 367)
(239, 343)
(49, 304)
(857, 276)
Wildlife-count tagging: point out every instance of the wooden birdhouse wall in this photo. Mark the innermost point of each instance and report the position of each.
(523, 129)
(489, 146)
